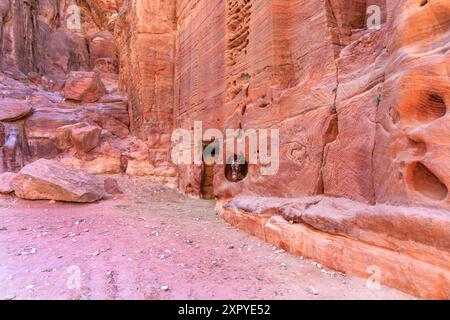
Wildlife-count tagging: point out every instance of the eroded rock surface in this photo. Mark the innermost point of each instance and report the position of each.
(11, 109)
(50, 180)
(84, 87)
(362, 112)
(351, 237)
(86, 138)
(6, 182)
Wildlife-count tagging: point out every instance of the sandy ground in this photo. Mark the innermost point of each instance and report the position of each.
(153, 243)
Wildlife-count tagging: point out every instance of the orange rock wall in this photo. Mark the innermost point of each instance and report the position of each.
(362, 114)
(145, 31)
(269, 78)
(340, 94)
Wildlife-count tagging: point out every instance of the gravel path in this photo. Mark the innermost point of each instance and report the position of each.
(152, 243)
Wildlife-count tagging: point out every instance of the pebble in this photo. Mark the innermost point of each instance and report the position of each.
(312, 290)
(230, 246)
(26, 251)
(9, 297)
(164, 288)
(29, 287)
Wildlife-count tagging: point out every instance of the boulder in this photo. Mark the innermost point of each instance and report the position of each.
(6, 182)
(103, 52)
(84, 87)
(14, 151)
(34, 77)
(63, 138)
(112, 187)
(86, 139)
(50, 180)
(11, 109)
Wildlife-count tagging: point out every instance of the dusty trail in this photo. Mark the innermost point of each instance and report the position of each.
(154, 243)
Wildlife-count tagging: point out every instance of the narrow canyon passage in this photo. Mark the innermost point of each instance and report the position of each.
(151, 243)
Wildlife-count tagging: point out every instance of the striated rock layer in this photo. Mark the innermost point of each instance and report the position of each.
(362, 114)
(50, 180)
(405, 248)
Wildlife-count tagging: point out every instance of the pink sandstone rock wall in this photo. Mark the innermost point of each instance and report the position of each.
(146, 33)
(313, 70)
(65, 78)
(362, 113)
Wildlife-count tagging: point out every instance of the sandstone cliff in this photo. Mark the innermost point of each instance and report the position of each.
(362, 112)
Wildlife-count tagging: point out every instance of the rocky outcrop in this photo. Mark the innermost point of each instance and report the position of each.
(103, 52)
(11, 110)
(355, 238)
(6, 182)
(145, 34)
(339, 89)
(84, 87)
(360, 99)
(112, 187)
(36, 37)
(359, 91)
(47, 132)
(85, 138)
(50, 180)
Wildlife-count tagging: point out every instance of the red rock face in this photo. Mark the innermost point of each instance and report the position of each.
(6, 182)
(145, 33)
(326, 83)
(86, 138)
(84, 87)
(50, 180)
(11, 109)
(409, 246)
(362, 113)
(103, 52)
